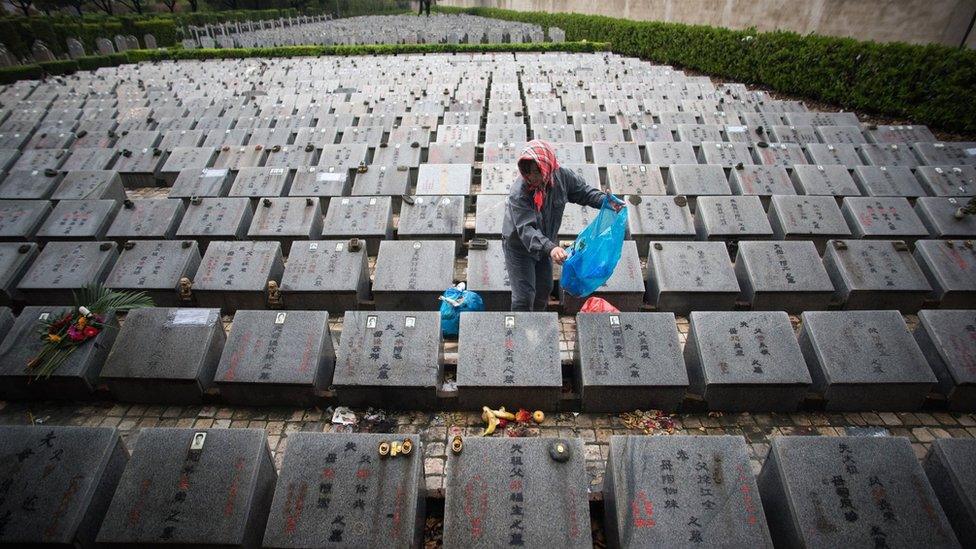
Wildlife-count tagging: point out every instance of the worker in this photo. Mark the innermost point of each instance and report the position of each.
(533, 214)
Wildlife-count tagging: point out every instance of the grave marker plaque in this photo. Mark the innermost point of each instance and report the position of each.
(325, 275)
(15, 258)
(726, 155)
(938, 214)
(947, 466)
(945, 154)
(731, 218)
(691, 491)
(746, 361)
(321, 183)
(827, 180)
(783, 276)
(888, 155)
(21, 219)
(487, 275)
(444, 179)
(883, 218)
(369, 218)
(642, 179)
(209, 487)
(686, 276)
(694, 180)
(139, 168)
(762, 181)
(208, 182)
(286, 220)
(456, 152)
(75, 379)
(629, 361)
(390, 359)
(350, 495)
(383, 181)
(509, 359)
(235, 275)
(210, 219)
(238, 158)
(624, 289)
(950, 266)
(833, 154)
(433, 217)
(165, 354)
(497, 178)
(411, 274)
(948, 180)
(947, 340)
(659, 218)
(864, 360)
(780, 154)
(887, 181)
(63, 268)
(147, 219)
(605, 153)
(879, 274)
(259, 182)
(28, 185)
(155, 267)
(814, 218)
(899, 134)
(836, 492)
(517, 491)
(397, 154)
(78, 220)
(185, 158)
(276, 358)
(58, 482)
(90, 185)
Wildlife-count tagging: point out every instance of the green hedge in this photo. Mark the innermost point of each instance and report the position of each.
(933, 85)
(12, 74)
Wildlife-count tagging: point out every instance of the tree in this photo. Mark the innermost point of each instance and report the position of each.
(133, 5)
(105, 6)
(194, 4)
(171, 5)
(23, 5)
(47, 6)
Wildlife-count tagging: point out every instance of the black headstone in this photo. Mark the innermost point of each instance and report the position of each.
(368, 218)
(865, 360)
(146, 220)
(20, 219)
(210, 219)
(165, 354)
(78, 220)
(948, 341)
(487, 275)
(209, 182)
(411, 274)
(90, 185)
(517, 492)
(335, 489)
(629, 361)
(950, 266)
(57, 483)
(235, 275)
(14, 260)
(682, 491)
(155, 267)
(948, 466)
(389, 359)
(206, 488)
(325, 275)
(63, 268)
(509, 359)
(850, 492)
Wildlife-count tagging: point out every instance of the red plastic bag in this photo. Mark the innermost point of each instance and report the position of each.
(598, 305)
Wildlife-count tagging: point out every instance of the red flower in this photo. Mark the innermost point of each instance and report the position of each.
(90, 331)
(75, 334)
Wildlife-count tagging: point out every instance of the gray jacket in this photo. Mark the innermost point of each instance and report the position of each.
(529, 231)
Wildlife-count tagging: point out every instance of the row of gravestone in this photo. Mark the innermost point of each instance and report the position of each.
(41, 53)
(734, 361)
(219, 488)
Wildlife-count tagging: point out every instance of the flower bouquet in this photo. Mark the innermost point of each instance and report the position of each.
(62, 335)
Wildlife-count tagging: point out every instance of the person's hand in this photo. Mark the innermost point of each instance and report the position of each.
(558, 255)
(615, 204)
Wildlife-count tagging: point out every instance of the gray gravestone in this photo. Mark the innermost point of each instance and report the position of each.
(945, 154)
(147, 219)
(948, 180)
(780, 154)
(746, 361)
(865, 360)
(15, 258)
(41, 53)
(948, 340)
(639, 179)
(727, 155)
(211, 219)
(75, 48)
(459, 152)
(615, 153)
(950, 266)
(694, 180)
(517, 492)
(104, 46)
(78, 220)
(165, 354)
(185, 158)
(824, 180)
(444, 179)
(783, 276)
(487, 276)
(947, 466)
(837, 492)
(286, 220)
(887, 181)
(88, 160)
(762, 181)
(20, 219)
(659, 218)
(155, 267)
(899, 134)
(259, 182)
(389, 359)
(941, 216)
(290, 156)
(833, 154)
(411, 274)
(75, 379)
(58, 482)
(509, 359)
(132, 42)
(63, 268)
(731, 218)
(208, 182)
(629, 361)
(368, 218)
(686, 276)
(120, 43)
(322, 183)
(90, 185)
(32, 184)
(383, 181)
(235, 275)
(342, 157)
(432, 217)
(624, 289)
(814, 218)
(276, 358)
(876, 274)
(883, 218)
(317, 501)
(193, 487)
(682, 491)
(325, 275)
(150, 41)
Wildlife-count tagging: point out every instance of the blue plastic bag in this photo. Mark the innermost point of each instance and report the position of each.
(455, 301)
(596, 251)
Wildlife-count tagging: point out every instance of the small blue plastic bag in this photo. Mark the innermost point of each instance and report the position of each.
(596, 251)
(454, 301)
